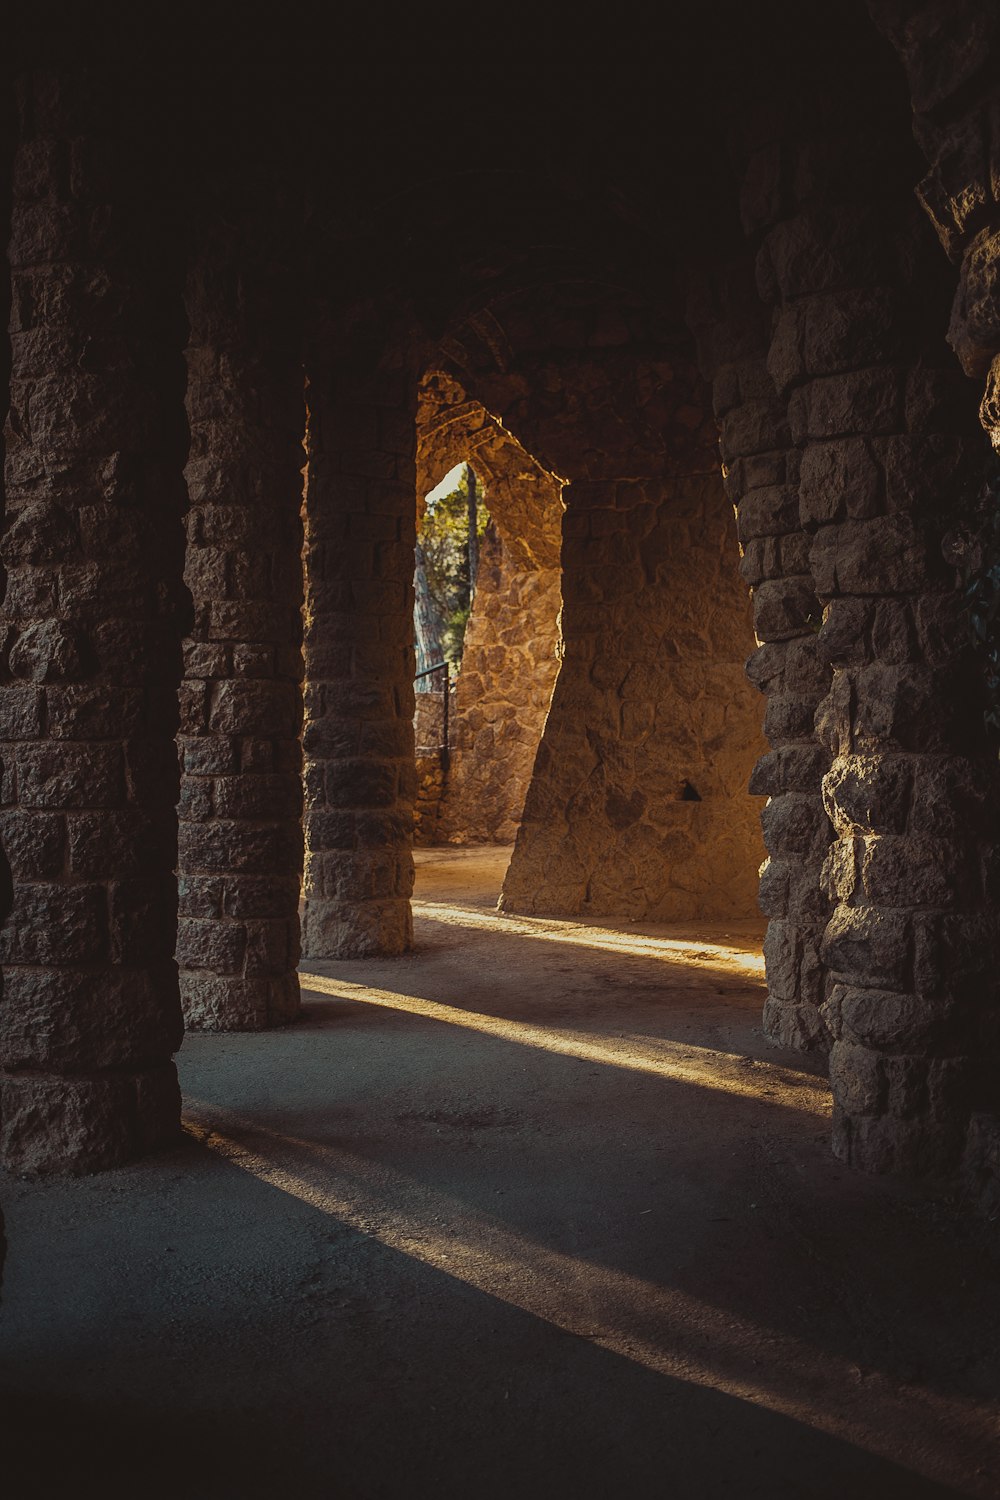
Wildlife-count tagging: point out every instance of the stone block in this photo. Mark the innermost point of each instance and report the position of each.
(904, 707)
(974, 331)
(51, 923)
(362, 930)
(883, 555)
(795, 1024)
(912, 871)
(101, 844)
(887, 1021)
(844, 635)
(62, 1021)
(50, 651)
(829, 250)
(869, 948)
(793, 768)
(868, 794)
(839, 876)
(224, 846)
(772, 511)
(269, 709)
(857, 1078)
(217, 946)
(388, 739)
(795, 824)
(199, 895)
(362, 783)
(34, 844)
(331, 737)
(209, 755)
(66, 776)
(781, 959)
(954, 798)
(57, 1124)
(892, 635)
(261, 797)
(92, 711)
(272, 947)
(784, 607)
(788, 718)
(861, 402)
(838, 480)
(255, 896)
(20, 712)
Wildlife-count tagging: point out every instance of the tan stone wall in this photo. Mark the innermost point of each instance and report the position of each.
(510, 661)
(652, 697)
(428, 731)
(509, 668)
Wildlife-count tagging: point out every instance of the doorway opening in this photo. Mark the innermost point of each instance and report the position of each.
(486, 619)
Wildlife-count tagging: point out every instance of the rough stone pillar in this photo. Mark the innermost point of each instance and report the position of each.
(884, 429)
(240, 846)
(93, 545)
(358, 739)
(509, 668)
(951, 56)
(760, 468)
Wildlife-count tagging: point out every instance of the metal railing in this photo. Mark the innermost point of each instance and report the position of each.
(445, 667)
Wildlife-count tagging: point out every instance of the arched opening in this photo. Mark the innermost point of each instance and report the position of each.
(475, 758)
(626, 778)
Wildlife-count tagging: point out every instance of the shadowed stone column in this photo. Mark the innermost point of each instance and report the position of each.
(358, 738)
(885, 431)
(240, 849)
(91, 649)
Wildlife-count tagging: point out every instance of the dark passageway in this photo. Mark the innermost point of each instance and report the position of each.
(650, 1144)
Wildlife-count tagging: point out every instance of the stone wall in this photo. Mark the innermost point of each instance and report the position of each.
(509, 667)
(428, 732)
(638, 805)
(638, 808)
(510, 658)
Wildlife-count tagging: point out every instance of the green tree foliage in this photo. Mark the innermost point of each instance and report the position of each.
(444, 540)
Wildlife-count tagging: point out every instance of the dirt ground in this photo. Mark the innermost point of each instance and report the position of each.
(534, 1210)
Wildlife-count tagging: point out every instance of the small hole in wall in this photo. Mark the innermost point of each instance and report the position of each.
(688, 793)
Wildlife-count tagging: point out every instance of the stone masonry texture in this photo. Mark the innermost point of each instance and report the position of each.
(512, 642)
(92, 544)
(637, 807)
(360, 776)
(240, 846)
(735, 326)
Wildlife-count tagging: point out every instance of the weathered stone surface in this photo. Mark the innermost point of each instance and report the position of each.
(974, 332)
(241, 699)
(648, 816)
(358, 736)
(92, 616)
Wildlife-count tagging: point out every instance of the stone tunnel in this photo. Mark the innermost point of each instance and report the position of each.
(724, 346)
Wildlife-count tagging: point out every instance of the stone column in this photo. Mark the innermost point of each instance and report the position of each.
(93, 546)
(358, 738)
(761, 473)
(883, 429)
(760, 468)
(240, 848)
